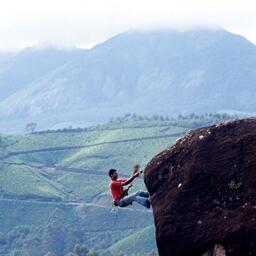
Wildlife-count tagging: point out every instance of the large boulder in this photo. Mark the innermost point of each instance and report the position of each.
(203, 191)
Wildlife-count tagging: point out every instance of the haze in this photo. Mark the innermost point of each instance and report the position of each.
(83, 23)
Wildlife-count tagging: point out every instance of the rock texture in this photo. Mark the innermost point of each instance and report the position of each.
(203, 191)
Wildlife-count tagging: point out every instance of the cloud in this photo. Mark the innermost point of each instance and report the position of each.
(69, 23)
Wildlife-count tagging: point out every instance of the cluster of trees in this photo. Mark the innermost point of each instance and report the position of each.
(194, 120)
(156, 117)
(69, 129)
(54, 238)
(136, 117)
(189, 121)
(31, 240)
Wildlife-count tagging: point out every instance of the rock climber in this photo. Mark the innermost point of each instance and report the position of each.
(120, 195)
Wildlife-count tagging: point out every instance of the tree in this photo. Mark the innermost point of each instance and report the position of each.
(31, 127)
(161, 118)
(92, 252)
(55, 233)
(81, 250)
(3, 145)
(156, 117)
(50, 254)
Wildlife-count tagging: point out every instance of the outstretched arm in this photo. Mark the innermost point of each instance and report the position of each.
(130, 180)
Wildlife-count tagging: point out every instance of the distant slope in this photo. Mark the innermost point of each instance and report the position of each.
(73, 165)
(49, 223)
(163, 71)
(25, 182)
(142, 241)
(35, 182)
(20, 69)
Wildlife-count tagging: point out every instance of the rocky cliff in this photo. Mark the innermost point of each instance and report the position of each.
(203, 191)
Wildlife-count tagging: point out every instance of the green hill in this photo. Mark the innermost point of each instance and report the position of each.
(72, 165)
(139, 242)
(157, 71)
(65, 171)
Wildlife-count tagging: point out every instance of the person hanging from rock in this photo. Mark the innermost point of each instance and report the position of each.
(120, 195)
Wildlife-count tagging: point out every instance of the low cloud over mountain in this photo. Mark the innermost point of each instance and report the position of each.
(165, 71)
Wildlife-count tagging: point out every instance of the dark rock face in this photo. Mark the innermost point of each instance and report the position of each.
(203, 191)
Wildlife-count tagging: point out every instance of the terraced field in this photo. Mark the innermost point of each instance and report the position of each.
(42, 172)
(28, 163)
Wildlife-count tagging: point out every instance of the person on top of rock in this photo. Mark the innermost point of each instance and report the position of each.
(120, 195)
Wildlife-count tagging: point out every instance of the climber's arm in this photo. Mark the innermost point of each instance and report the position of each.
(130, 180)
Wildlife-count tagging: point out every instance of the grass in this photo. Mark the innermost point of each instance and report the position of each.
(83, 186)
(83, 138)
(20, 212)
(119, 155)
(24, 180)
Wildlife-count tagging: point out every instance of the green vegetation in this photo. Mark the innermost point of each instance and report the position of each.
(123, 148)
(23, 180)
(88, 151)
(140, 242)
(54, 186)
(191, 120)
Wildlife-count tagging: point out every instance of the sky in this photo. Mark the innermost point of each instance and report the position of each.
(84, 23)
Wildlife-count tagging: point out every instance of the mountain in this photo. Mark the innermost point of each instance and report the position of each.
(21, 69)
(161, 71)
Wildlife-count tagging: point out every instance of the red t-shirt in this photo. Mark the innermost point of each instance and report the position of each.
(116, 189)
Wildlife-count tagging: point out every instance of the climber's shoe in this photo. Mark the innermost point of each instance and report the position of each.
(148, 204)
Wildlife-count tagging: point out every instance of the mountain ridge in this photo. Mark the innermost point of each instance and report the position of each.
(158, 71)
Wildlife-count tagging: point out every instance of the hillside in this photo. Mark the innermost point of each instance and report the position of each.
(64, 159)
(140, 240)
(57, 180)
(66, 171)
(165, 71)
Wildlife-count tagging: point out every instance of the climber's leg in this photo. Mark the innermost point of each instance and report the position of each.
(143, 193)
(135, 197)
